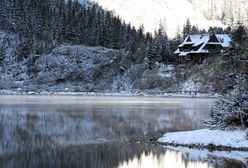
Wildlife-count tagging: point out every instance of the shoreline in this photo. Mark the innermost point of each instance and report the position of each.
(212, 140)
(209, 147)
(123, 94)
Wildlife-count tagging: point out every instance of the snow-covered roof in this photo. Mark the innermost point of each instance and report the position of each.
(177, 51)
(182, 54)
(225, 39)
(199, 41)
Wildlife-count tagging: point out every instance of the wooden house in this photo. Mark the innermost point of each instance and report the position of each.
(199, 46)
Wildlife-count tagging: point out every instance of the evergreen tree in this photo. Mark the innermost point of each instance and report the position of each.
(187, 29)
(150, 59)
(161, 46)
(232, 109)
(43, 24)
(2, 55)
(226, 112)
(104, 37)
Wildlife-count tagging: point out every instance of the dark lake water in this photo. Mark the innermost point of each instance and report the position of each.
(98, 132)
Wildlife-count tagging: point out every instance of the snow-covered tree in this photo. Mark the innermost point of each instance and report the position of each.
(2, 54)
(161, 45)
(226, 112)
(42, 25)
(151, 58)
(232, 109)
(187, 29)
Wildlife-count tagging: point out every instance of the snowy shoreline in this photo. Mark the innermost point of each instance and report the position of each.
(127, 94)
(208, 139)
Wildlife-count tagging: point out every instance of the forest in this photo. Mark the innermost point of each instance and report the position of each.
(43, 25)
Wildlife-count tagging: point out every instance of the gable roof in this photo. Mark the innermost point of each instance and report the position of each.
(201, 40)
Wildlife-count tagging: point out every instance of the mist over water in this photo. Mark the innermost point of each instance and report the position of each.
(62, 131)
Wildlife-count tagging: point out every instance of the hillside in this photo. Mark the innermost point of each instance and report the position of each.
(228, 12)
(174, 13)
(79, 68)
(75, 68)
(80, 49)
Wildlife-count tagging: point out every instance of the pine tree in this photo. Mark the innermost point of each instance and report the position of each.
(232, 109)
(226, 112)
(2, 54)
(42, 25)
(150, 59)
(104, 37)
(187, 29)
(240, 41)
(116, 33)
(161, 46)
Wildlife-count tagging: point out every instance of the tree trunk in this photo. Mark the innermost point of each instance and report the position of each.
(241, 109)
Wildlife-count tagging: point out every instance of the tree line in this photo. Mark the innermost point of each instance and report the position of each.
(43, 24)
(161, 48)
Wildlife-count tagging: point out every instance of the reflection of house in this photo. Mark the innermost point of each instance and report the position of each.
(199, 46)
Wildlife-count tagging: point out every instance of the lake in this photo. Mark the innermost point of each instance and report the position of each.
(101, 132)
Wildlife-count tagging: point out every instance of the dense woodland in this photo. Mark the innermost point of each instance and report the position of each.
(43, 24)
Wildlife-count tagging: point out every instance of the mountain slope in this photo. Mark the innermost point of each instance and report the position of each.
(173, 13)
(228, 11)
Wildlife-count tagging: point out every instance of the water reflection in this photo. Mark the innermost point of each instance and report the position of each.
(110, 155)
(39, 131)
(168, 159)
(77, 120)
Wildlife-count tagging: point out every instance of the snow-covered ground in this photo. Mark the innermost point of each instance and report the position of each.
(189, 85)
(196, 144)
(204, 138)
(204, 154)
(122, 93)
(79, 69)
(172, 13)
(166, 70)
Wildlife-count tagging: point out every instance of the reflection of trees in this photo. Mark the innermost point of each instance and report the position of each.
(109, 155)
(85, 156)
(37, 124)
(34, 133)
(225, 162)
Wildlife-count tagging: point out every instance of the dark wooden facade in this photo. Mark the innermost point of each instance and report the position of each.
(196, 48)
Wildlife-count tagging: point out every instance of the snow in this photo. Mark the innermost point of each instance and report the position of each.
(203, 40)
(190, 85)
(177, 51)
(225, 38)
(83, 2)
(19, 91)
(173, 14)
(199, 38)
(204, 137)
(182, 54)
(166, 71)
(203, 154)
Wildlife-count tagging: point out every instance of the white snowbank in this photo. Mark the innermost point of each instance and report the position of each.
(205, 137)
